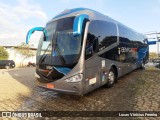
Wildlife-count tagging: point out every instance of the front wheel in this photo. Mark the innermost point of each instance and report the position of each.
(111, 78)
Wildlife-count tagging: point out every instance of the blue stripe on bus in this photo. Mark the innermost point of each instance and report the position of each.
(32, 31)
(78, 24)
(142, 53)
(63, 70)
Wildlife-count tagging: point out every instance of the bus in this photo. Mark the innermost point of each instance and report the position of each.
(81, 50)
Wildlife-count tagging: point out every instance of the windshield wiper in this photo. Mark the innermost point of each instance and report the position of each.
(44, 55)
(56, 48)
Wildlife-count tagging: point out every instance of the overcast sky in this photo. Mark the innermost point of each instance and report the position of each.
(18, 16)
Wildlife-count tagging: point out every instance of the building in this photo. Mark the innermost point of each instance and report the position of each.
(20, 60)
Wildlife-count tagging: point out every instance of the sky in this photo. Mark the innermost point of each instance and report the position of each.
(18, 16)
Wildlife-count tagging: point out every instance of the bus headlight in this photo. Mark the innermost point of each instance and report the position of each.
(75, 78)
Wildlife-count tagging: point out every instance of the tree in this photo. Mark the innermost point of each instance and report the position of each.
(25, 50)
(3, 53)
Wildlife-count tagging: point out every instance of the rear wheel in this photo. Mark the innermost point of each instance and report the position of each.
(111, 78)
(142, 65)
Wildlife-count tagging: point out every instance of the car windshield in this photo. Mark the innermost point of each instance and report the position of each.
(59, 47)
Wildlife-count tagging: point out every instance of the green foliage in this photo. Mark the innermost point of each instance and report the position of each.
(25, 50)
(3, 53)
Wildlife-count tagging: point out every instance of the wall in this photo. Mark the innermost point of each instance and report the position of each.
(19, 59)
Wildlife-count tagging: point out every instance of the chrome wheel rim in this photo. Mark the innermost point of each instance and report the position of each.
(111, 77)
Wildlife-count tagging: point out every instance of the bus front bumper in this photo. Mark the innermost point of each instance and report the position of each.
(61, 86)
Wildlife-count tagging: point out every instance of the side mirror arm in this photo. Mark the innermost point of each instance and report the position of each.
(31, 31)
(78, 24)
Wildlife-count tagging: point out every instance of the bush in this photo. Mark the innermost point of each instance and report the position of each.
(3, 53)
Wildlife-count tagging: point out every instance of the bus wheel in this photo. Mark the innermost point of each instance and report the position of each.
(142, 66)
(111, 78)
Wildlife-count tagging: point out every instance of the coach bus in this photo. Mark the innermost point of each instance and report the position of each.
(81, 50)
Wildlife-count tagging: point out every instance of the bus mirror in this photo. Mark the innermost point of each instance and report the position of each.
(31, 31)
(151, 42)
(78, 24)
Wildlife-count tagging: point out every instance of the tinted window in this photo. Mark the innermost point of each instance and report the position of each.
(64, 49)
(101, 34)
(65, 24)
(129, 36)
(50, 30)
(105, 32)
(59, 25)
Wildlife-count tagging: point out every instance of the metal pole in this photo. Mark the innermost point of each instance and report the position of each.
(157, 44)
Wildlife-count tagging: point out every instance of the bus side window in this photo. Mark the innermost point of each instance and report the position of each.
(91, 45)
(101, 35)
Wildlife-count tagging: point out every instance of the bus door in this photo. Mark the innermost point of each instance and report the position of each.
(91, 63)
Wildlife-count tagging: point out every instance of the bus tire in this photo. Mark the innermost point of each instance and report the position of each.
(111, 78)
(142, 65)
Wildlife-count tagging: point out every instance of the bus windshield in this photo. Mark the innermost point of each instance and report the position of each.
(59, 47)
